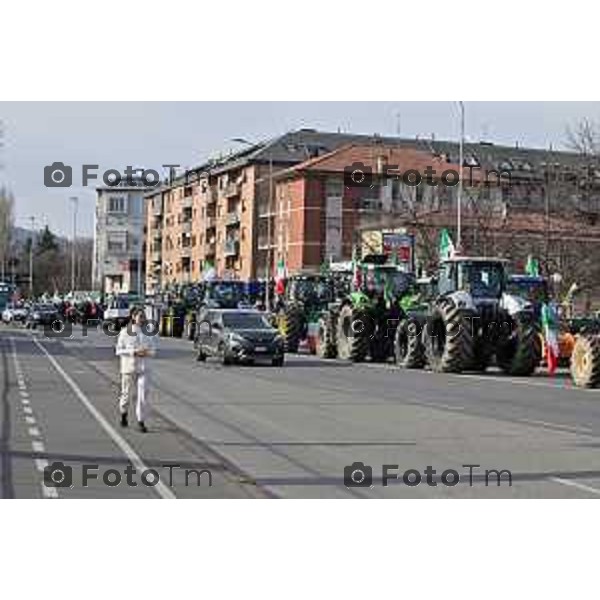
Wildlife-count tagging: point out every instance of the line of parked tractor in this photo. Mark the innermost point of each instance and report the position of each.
(470, 315)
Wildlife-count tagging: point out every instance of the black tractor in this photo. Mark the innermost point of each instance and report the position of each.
(473, 320)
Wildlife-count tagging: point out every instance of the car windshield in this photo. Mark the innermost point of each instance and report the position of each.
(44, 308)
(245, 321)
(119, 304)
(481, 279)
(228, 290)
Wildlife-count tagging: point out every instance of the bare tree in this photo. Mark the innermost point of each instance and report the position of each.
(6, 228)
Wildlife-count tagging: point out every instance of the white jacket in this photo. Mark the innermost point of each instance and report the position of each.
(130, 339)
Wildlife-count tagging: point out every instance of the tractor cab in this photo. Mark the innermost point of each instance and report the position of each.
(481, 278)
(223, 294)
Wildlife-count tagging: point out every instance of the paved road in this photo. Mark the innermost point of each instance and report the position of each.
(291, 431)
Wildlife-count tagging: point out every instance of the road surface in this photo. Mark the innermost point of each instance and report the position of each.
(290, 432)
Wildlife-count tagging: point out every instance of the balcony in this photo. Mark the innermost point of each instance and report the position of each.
(156, 256)
(157, 233)
(232, 219)
(211, 195)
(210, 222)
(232, 248)
(186, 226)
(232, 189)
(186, 251)
(187, 201)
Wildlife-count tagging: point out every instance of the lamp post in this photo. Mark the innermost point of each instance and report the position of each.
(31, 257)
(461, 161)
(269, 215)
(75, 201)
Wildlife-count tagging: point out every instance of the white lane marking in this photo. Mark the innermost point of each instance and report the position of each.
(28, 410)
(34, 432)
(40, 463)
(579, 486)
(25, 401)
(133, 456)
(24, 394)
(30, 420)
(49, 492)
(38, 446)
(583, 430)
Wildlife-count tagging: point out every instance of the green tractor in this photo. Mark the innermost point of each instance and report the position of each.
(469, 320)
(362, 323)
(306, 297)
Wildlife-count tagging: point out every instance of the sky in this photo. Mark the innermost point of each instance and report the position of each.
(150, 134)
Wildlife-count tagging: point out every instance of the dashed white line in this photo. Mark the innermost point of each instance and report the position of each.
(34, 432)
(28, 410)
(38, 446)
(136, 460)
(30, 420)
(579, 486)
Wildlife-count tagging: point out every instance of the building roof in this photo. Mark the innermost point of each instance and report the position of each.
(303, 145)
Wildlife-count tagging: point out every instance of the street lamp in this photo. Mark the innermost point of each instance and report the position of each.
(269, 215)
(461, 161)
(75, 201)
(31, 257)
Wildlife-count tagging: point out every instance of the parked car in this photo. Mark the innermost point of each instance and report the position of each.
(238, 336)
(117, 311)
(14, 314)
(41, 314)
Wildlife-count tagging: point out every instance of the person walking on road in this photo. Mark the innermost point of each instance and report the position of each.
(134, 347)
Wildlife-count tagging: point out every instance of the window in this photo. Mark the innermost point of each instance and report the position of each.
(116, 242)
(117, 204)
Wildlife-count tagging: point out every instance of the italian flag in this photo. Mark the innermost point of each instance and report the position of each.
(280, 275)
(549, 324)
(447, 249)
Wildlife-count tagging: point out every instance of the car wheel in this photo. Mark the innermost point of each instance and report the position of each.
(200, 356)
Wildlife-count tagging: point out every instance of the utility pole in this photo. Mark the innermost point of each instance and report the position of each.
(75, 201)
(269, 249)
(461, 160)
(31, 257)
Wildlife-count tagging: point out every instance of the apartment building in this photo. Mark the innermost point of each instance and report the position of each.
(118, 260)
(286, 199)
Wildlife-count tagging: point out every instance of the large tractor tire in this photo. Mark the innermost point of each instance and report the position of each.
(291, 326)
(585, 361)
(520, 354)
(448, 339)
(352, 335)
(408, 345)
(326, 347)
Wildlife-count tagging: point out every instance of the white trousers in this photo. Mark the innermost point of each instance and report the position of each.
(129, 383)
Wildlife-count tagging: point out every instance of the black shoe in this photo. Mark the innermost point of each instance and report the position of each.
(142, 427)
(124, 420)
